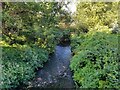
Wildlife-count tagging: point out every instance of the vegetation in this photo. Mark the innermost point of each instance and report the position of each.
(95, 63)
(30, 32)
(96, 13)
(33, 23)
(19, 64)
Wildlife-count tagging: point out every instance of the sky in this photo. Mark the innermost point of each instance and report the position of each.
(71, 6)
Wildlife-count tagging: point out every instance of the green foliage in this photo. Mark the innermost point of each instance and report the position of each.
(76, 40)
(95, 64)
(33, 23)
(96, 13)
(31, 30)
(49, 38)
(19, 64)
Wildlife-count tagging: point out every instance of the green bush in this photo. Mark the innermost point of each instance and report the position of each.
(48, 38)
(76, 41)
(18, 64)
(95, 63)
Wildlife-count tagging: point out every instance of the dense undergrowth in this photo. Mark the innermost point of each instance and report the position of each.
(19, 64)
(95, 63)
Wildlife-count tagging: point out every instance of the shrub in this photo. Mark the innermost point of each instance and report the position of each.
(76, 41)
(95, 65)
(18, 64)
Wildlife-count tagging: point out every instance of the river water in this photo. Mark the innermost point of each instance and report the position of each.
(56, 72)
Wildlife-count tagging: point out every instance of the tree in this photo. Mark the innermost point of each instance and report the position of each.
(33, 23)
(92, 14)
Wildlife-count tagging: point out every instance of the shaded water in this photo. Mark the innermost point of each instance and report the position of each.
(56, 72)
